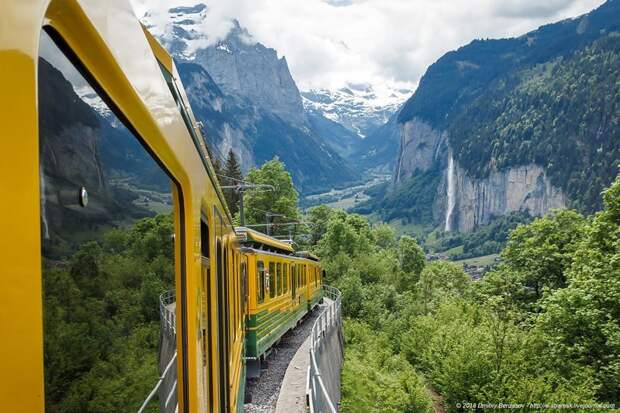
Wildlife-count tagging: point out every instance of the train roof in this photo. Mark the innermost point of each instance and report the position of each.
(247, 235)
(307, 254)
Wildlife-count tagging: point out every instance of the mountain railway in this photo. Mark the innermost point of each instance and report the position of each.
(97, 127)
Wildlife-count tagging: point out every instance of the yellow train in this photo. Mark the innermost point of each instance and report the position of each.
(98, 138)
(283, 287)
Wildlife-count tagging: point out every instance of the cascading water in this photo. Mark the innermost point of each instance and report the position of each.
(451, 193)
(46, 231)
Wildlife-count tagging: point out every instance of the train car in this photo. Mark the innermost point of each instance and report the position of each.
(282, 289)
(315, 273)
(109, 198)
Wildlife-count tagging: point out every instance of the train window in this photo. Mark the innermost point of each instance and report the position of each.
(244, 288)
(272, 279)
(285, 278)
(107, 246)
(293, 280)
(204, 237)
(260, 281)
(279, 279)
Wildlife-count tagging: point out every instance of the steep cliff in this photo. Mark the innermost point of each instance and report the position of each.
(527, 124)
(243, 67)
(478, 201)
(257, 135)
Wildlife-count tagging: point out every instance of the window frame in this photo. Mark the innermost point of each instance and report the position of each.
(177, 192)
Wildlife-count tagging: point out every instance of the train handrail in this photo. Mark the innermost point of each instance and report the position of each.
(318, 398)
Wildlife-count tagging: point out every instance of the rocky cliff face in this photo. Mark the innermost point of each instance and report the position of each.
(421, 147)
(240, 66)
(477, 201)
(462, 202)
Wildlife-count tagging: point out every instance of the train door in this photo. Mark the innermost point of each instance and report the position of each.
(222, 311)
(206, 322)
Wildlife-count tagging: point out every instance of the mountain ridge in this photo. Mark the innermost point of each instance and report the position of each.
(541, 108)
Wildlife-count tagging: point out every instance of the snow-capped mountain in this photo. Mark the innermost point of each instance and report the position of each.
(361, 108)
(246, 98)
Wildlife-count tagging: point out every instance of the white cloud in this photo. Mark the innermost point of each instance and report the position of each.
(329, 43)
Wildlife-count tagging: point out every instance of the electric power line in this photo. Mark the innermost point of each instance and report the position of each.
(234, 179)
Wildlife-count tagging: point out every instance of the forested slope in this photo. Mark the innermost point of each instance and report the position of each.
(541, 328)
(549, 97)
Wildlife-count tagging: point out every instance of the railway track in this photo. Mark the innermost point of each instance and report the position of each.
(264, 390)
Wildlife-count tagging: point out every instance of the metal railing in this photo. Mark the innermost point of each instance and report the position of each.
(166, 384)
(163, 377)
(167, 314)
(326, 355)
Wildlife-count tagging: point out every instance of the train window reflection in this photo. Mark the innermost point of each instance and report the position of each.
(260, 282)
(108, 265)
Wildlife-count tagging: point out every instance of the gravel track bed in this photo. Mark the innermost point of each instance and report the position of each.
(266, 388)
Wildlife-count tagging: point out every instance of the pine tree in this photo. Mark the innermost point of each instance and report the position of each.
(215, 162)
(233, 174)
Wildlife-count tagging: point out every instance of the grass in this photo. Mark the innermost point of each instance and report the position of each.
(454, 251)
(479, 261)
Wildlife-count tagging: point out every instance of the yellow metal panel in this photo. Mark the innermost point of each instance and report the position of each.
(259, 237)
(160, 53)
(21, 346)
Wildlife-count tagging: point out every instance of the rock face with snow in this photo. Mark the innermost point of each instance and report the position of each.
(361, 108)
(248, 69)
(247, 100)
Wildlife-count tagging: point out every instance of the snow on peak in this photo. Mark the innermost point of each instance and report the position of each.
(185, 30)
(360, 107)
(223, 47)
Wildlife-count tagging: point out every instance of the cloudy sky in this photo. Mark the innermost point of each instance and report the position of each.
(328, 43)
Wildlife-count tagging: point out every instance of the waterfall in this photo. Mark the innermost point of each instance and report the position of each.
(451, 193)
(46, 231)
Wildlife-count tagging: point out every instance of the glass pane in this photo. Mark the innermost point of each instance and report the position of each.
(272, 279)
(107, 248)
(260, 282)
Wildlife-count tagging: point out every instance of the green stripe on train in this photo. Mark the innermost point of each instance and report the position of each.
(269, 327)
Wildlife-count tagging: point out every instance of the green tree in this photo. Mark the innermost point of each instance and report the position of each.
(318, 218)
(384, 236)
(582, 321)
(376, 380)
(281, 200)
(412, 261)
(232, 175)
(541, 252)
(440, 280)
